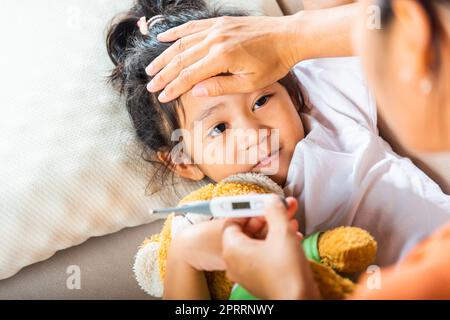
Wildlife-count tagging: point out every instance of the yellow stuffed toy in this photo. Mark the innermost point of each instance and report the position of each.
(333, 254)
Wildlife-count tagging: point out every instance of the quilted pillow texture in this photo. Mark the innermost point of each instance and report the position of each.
(69, 165)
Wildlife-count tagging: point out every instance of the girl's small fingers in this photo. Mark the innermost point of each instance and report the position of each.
(263, 232)
(242, 222)
(292, 208)
(254, 226)
(186, 29)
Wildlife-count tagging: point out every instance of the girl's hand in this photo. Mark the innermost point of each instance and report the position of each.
(274, 268)
(194, 250)
(257, 227)
(200, 246)
(255, 51)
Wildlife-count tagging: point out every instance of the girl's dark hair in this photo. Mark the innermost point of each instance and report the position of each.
(430, 7)
(131, 52)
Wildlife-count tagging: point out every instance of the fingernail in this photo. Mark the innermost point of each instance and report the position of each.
(200, 91)
(162, 97)
(151, 86)
(149, 70)
(160, 36)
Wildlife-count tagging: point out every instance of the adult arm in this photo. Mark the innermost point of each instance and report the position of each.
(323, 4)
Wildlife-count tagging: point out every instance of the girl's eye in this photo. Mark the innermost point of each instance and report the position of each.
(261, 101)
(217, 130)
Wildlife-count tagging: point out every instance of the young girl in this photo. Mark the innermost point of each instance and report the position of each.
(341, 172)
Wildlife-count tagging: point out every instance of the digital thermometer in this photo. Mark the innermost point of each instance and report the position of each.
(251, 205)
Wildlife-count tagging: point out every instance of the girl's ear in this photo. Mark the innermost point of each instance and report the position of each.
(182, 166)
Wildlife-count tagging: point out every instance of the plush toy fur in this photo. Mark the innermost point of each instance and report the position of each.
(342, 251)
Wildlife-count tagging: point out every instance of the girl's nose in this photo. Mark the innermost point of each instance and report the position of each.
(254, 138)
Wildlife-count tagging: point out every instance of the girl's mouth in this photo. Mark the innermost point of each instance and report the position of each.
(265, 162)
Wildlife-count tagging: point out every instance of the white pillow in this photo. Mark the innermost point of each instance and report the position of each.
(68, 169)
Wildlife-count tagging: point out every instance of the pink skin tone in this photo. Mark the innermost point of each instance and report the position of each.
(420, 117)
(270, 108)
(397, 62)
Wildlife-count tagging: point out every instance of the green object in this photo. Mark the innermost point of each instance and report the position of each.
(311, 249)
(239, 293)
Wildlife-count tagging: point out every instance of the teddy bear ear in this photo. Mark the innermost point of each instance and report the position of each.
(146, 270)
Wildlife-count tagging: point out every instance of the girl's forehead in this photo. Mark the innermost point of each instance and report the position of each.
(194, 108)
(190, 101)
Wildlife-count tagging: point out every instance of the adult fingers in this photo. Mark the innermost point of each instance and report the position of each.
(294, 225)
(176, 66)
(203, 69)
(235, 243)
(236, 248)
(254, 224)
(264, 230)
(186, 29)
(292, 207)
(168, 55)
(277, 219)
(222, 85)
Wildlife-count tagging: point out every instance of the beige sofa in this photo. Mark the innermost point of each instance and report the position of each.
(70, 175)
(106, 262)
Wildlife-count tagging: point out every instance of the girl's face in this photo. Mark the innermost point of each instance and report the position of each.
(254, 132)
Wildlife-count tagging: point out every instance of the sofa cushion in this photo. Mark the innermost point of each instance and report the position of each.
(69, 165)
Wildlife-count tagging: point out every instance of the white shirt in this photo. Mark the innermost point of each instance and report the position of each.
(344, 173)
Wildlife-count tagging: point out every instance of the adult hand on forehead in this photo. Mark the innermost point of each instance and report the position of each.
(253, 52)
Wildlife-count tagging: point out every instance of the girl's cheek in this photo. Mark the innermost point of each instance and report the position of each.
(214, 151)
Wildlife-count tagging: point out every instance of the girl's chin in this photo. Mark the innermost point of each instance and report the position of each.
(275, 175)
(272, 170)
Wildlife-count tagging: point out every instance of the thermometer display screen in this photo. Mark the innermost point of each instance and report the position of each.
(240, 205)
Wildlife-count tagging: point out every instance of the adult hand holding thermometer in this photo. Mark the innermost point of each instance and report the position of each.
(243, 206)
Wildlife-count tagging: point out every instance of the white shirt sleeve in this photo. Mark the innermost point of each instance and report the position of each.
(339, 91)
(344, 173)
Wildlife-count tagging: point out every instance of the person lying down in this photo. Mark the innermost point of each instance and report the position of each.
(316, 136)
